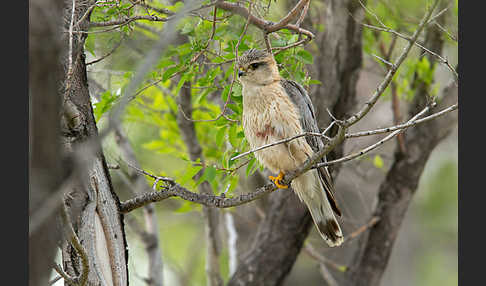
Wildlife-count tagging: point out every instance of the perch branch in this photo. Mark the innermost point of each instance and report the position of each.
(173, 189)
(408, 124)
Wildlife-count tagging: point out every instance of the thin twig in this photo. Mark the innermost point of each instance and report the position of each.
(85, 15)
(372, 147)
(388, 78)
(312, 252)
(289, 17)
(408, 124)
(405, 37)
(109, 53)
(327, 276)
(302, 14)
(262, 24)
(403, 126)
(235, 70)
(68, 279)
(279, 142)
(70, 52)
(53, 281)
(126, 21)
(374, 220)
(452, 37)
(156, 9)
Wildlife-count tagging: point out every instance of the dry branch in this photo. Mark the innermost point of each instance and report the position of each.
(401, 182)
(408, 124)
(173, 189)
(265, 25)
(384, 84)
(376, 145)
(122, 22)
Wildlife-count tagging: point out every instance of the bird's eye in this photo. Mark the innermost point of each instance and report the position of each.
(255, 65)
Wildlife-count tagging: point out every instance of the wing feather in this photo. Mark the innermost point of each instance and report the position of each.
(301, 99)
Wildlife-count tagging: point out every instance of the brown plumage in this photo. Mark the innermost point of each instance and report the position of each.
(275, 109)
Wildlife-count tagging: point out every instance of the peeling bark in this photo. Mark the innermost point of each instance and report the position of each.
(93, 205)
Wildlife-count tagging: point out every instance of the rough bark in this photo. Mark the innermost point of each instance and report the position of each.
(45, 160)
(396, 192)
(92, 203)
(282, 232)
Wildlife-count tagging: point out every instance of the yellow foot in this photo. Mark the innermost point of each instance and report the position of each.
(276, 180)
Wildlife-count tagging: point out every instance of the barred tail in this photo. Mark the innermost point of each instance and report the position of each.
(310, 190)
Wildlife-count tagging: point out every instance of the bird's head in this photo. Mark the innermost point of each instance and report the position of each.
(257, 67)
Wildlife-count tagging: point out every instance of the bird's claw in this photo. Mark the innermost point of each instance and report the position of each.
(276, 180)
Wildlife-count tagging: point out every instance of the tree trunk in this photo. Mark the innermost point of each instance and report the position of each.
(92, 203)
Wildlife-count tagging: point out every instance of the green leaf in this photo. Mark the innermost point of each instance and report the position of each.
(188, 29)
(190, 172)
(154, 145)
(232, 136)
(305, 56)
(342, 268)
(220, 136)
(89, 44)
(250, 166)
(181, 83)
(232, 162)
(106, 102)
(224, 94)
(210, 173)
(378, 162)
(165, 62)
(169, 72)
(186, 206)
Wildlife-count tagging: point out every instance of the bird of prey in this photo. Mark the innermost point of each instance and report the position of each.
(274, 109)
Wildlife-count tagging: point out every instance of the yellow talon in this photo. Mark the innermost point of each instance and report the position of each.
(276, 180)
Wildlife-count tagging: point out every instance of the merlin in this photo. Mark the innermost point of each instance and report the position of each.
(275, 108)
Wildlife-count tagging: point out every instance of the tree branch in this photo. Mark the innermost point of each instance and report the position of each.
(109, 53)
(265, 25)
(396, 192)
(374, 146)
(122, 22)
(412, 122)
(173, 189)
(386, 81)
(289, 17)
(408, 124)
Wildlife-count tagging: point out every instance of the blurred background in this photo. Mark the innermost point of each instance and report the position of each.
(425, 252)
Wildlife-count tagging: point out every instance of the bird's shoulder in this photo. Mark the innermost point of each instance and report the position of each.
(298, 95)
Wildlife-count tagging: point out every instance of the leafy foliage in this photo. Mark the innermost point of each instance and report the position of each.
(209, 79)
(202, 63)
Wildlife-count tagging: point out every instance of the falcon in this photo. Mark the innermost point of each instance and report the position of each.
(275, 108)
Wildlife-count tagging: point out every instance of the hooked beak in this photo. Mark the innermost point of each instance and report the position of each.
(241, 73)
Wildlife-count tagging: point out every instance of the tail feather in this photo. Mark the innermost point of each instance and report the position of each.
(310, 190)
